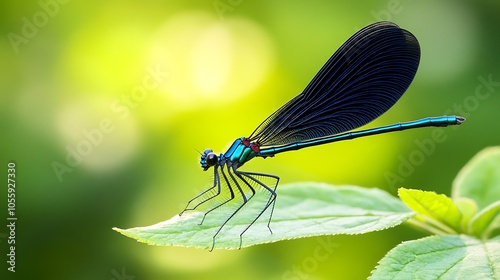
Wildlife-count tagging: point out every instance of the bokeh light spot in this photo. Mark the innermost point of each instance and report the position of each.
(211, 61)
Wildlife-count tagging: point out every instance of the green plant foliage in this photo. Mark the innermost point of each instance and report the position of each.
(468, 208)
(480, 178)
(482, 223)
(442, 257)
(302, 210)
(473, 252)
(438, 207)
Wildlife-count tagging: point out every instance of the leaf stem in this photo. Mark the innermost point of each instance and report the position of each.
(432, 226)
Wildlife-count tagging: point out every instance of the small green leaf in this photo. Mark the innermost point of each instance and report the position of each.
(441, 257)
(479, 179)
(493, 228)
(482, 220)
(468, 208)
(435, 206)
(302, 210)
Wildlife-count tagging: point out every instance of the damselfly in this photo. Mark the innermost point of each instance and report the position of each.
(360, 81)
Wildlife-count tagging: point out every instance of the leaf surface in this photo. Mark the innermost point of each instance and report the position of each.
(435, 206)
(441, 257)
(479, 179)
(302, 210)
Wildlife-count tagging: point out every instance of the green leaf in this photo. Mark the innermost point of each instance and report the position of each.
(435, 206)
(302, 210)
(441, 257)
(482, 220)
(479, 179)
(468, 208)
(493, 228)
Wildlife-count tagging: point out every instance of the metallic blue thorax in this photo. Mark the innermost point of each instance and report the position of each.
(240, 151)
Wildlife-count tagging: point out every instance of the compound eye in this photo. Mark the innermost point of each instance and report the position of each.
(212, 159)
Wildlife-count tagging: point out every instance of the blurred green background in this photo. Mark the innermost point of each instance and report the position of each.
(135, 88)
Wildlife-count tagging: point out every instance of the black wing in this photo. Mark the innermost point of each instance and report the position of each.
(360, 81)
